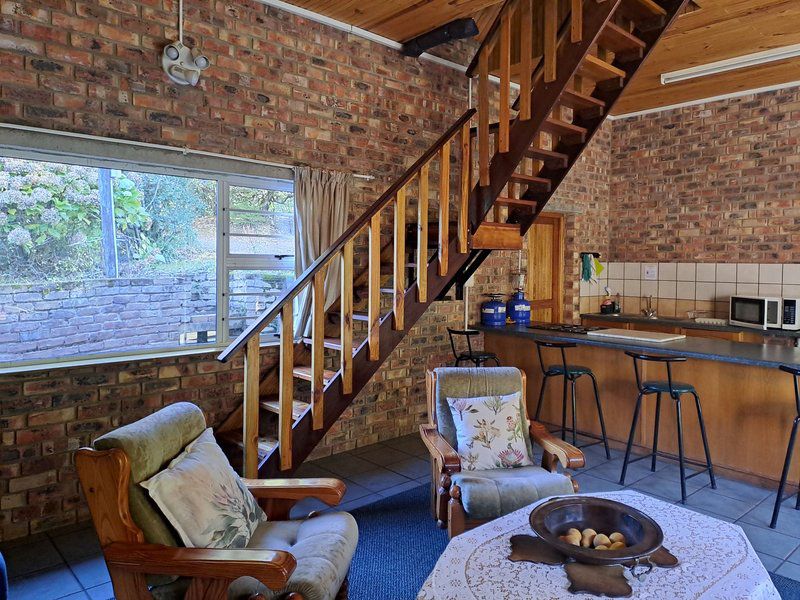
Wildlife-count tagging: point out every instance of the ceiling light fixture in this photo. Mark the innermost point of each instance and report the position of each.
(732, 64)
(181, 63)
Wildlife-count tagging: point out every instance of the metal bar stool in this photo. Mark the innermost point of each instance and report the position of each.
(571, 374)
(675, 389)
(794, 371)
(479, 358)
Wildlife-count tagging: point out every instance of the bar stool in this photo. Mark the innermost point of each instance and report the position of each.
(675, 389)
(794, 371)
(479, 358)
(571, 374)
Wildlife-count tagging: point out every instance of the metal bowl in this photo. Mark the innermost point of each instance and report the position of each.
(554, 517)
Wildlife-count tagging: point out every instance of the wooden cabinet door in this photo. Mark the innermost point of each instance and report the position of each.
(545, 288)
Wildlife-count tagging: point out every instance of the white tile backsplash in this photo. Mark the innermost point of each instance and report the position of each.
(706, 272)
(696, 281)
(687, 272)
(770, 273)
(747, 273)
(726, 272)
(667, 271)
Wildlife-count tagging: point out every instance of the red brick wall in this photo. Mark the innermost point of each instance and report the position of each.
(716, 182)
(280, 88)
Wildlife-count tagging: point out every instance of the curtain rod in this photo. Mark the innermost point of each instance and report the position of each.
(183, 150)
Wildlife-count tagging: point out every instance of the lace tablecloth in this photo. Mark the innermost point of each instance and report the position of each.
(716, 561)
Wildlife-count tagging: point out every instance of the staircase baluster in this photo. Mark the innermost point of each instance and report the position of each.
(444, 209)
(422, 234)
(550, 40)
(374, 306)
(252, 380)
(399, 258)
(483, 116)
(286, 390)
(318, 349)
(526, 59)
(466, 186)
(576, 25)
(505, 78)
(347, 318)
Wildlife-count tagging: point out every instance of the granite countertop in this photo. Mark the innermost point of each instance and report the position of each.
(688, 324)
(758, 355)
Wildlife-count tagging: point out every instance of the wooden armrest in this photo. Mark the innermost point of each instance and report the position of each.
(567, 454)
(271, 567)
(328, 490)
(439, 448)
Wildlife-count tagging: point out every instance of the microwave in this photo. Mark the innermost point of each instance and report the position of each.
(756, 312)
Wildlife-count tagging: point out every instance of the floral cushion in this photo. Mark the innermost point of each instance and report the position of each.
(204, 499)
(491, 432)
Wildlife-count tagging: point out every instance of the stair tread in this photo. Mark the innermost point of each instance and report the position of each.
(503, 201)
(558, 159)
(298, 407)
(641, 9)
(334, 343)
(530, 180)
(305, 373)
(597, 69)
(615, 38)
(578, 101)
(266, 443)
(559, 127)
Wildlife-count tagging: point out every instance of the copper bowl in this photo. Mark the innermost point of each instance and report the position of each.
(554, 517)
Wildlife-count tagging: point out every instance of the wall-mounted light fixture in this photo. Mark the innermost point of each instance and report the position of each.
(182, 64)
(731, 64)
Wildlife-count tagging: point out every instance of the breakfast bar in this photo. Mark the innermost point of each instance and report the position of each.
(748, 403)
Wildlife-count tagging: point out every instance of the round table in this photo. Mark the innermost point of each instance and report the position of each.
(716, 561)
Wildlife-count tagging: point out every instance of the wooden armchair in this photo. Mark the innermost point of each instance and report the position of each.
(448, 503)
(132, 536)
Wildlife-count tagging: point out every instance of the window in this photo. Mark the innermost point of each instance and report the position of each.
(100, 258)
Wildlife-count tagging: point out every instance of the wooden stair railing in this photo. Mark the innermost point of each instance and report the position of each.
(571, 60)
(404, 312)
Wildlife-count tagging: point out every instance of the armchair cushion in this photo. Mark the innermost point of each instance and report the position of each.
(323, 547)
(496, 492)
(456, 382)
(204, 499)
(150, 444)
(491, 432)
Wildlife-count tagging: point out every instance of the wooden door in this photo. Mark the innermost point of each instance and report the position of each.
(545, 287)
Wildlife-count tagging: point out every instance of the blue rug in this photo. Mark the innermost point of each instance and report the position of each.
(399, 545)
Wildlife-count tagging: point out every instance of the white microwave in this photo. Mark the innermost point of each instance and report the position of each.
(756, 312)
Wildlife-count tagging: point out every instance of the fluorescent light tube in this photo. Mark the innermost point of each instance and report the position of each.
(731, 64)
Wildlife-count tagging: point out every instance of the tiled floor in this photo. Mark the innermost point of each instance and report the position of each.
(68, 565)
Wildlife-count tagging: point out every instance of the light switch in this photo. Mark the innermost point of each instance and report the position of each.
(651, 272)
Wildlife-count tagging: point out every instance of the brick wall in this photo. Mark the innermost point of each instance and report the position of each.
(715, 182)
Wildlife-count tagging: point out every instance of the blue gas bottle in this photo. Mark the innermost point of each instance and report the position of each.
(493, 312)
(519, 309)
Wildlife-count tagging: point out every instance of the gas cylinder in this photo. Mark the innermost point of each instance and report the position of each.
(519, 309)
(493, 311)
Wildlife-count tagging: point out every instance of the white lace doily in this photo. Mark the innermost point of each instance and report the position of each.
(716, 561)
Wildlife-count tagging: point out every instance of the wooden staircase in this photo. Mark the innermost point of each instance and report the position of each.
(571, 59)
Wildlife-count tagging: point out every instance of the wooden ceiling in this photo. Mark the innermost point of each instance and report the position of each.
(717, 30)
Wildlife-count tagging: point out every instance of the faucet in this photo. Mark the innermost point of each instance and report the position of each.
(649, 311)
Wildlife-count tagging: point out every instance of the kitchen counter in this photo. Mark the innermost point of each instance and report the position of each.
(689, 324)
(761, 355)
(748, 403)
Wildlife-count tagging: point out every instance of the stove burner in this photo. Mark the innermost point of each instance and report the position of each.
(564, 327)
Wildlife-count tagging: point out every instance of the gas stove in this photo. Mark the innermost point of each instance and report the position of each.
(564, 327)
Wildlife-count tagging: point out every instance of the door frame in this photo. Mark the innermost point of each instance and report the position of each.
(557, 313)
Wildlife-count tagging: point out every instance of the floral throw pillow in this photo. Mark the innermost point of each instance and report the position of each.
(491, 432)
(204, 499)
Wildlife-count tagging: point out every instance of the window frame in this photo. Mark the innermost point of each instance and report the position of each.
(222, 173)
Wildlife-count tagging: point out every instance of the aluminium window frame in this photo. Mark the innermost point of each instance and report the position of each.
(49, 147)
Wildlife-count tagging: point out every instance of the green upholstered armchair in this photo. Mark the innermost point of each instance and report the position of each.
(306, 559)
(462, 500)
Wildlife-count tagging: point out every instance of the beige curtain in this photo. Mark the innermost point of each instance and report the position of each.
(322, 203)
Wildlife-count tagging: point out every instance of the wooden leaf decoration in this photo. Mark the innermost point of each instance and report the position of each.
(534, 549)
(598, 580)
(664, 558)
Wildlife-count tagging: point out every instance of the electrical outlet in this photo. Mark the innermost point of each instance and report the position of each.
(651, 272)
